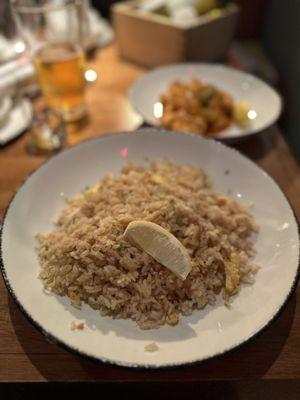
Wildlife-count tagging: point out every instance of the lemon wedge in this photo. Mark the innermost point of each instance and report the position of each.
(240, 113)
(161, 245)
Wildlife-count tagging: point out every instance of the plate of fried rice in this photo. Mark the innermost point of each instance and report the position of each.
(210, 100)
(79, 278)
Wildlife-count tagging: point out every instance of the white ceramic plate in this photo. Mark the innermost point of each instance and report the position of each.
(263, 100)
(204, 334)
(18, 119)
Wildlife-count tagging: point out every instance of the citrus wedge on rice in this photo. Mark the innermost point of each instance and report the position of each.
(161, 245)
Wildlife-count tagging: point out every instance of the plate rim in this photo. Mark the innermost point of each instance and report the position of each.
(131, 365)
(256, 131)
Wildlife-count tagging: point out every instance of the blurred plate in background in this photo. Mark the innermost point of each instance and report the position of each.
(264, 101)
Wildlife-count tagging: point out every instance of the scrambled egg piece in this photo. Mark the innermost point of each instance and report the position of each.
(240, 113)
(232, 274)
(93, 189)
(157, 178)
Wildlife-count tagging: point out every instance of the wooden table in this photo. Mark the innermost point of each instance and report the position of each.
(25, 355)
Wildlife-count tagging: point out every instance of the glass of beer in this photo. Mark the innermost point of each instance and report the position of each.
(54, 31)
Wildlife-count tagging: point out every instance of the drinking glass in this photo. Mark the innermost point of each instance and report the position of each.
(54, 31)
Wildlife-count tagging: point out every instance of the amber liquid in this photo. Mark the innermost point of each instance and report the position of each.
(60, 69)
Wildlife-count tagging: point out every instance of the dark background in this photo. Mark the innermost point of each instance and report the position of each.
(276, 24)
(251, 390)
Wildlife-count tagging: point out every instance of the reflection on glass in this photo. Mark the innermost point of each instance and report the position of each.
(19, 47)
(90, 75)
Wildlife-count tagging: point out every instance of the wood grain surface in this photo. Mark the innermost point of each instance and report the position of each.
(25, 355)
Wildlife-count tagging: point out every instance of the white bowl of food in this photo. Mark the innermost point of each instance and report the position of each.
(101, 294)
(206, 99)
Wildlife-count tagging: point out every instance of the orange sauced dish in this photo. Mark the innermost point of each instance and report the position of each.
(201, 108)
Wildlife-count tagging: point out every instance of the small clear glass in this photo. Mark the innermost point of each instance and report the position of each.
(48, 133)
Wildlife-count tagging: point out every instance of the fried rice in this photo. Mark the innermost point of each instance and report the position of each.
(87, 258)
